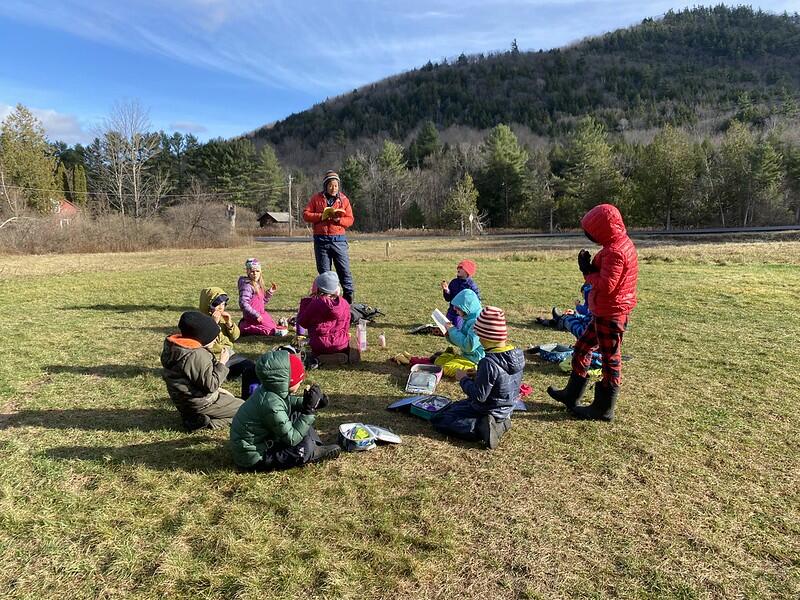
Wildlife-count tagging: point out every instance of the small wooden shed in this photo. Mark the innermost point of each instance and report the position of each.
(273, 219)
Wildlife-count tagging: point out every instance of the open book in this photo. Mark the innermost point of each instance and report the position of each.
(440, 320)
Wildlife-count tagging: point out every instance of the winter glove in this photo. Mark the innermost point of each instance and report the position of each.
(311, 399)
(585, 262)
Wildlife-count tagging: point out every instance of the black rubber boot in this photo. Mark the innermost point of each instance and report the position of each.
(326, 452)
(348, 295)
(602, 409)
(573, 392)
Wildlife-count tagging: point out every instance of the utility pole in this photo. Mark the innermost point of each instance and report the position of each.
(290, 205)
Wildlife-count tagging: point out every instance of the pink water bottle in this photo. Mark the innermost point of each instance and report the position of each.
(361, 334)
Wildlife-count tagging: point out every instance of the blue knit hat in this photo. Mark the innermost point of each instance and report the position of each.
(327, 282)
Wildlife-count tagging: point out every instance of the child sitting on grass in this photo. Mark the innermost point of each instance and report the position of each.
(325, 314)
(575, 322)
(194, 376)
(253, 297)
(213, 302)
(465, 270)
(274, 428)
(486, 413)
(468, 307)
(613, 274)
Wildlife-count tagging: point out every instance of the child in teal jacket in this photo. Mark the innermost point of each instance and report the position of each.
(469, 349)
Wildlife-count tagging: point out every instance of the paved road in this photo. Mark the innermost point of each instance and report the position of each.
(710, 231)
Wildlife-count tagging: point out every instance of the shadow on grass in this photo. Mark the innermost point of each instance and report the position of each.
(544, 411)
(127, 308)
(110, 371)
(194, 454)
(145, 419)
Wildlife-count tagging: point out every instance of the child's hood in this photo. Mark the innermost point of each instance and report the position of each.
(207, 296)
(604, 223)
(273, 371)
(468, 301)
(511, 361)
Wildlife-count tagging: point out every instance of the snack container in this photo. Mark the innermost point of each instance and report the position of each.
(423, 379)
(356, 437)
(428, 406)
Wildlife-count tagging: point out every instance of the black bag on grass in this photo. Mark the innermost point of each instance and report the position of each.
(359, 310)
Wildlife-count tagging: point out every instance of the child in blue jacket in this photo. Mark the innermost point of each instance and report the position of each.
(486, 413)
(465, 270)
(470, 351)
(576, 322)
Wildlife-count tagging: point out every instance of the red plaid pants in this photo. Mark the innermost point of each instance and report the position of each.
(605, 334)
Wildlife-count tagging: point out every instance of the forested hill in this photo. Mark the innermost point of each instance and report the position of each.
(663, 70)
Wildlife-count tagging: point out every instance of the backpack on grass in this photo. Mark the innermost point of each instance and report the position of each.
(359, 310)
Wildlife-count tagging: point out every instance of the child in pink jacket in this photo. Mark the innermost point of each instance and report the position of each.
(253, 297)
(326, 316)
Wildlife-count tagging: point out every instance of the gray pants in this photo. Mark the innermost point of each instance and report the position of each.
(222, 411)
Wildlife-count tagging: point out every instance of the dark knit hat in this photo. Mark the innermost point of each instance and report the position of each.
(197, 326)
(297, 372)
(491, 324)
(327, 282)
(328, 176)
(469, 266)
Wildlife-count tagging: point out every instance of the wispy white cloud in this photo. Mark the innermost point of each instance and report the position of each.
(329, 47)
(57, 126)
(188, 126)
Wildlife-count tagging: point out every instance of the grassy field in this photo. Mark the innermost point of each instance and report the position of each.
(691, 493)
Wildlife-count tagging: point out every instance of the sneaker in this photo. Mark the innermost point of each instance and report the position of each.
(311, 363)
(557, 314)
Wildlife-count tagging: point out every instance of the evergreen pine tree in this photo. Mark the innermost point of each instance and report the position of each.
(501, 182)
(79, 187)
(26, 159)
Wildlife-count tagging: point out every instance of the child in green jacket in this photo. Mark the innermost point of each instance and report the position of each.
(274, 428)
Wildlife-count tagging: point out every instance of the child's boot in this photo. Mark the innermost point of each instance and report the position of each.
(602, 409)
(325, 452)
(573, 392)
(491, 430)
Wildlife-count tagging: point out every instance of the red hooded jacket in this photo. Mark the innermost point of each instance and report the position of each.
(313, 214)
(616, 272)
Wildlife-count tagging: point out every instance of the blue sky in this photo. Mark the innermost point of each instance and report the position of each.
(224, 67)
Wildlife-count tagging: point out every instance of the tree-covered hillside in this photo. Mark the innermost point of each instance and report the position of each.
(661, 71)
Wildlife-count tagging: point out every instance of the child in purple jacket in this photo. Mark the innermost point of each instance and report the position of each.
(463, 281)
(326, 316)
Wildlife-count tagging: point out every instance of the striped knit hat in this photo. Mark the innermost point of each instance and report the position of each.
(328, 176)
(491, 324)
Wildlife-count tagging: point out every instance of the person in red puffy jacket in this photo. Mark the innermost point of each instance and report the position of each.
(612, 273)
(330, 212)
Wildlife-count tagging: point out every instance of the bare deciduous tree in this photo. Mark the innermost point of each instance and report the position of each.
(126, 152)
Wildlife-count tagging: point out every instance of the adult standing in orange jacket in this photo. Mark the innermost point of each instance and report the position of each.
(330, 213)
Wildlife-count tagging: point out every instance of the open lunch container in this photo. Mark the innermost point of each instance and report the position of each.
(356, 437)
(427, 406)
(423, 379)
